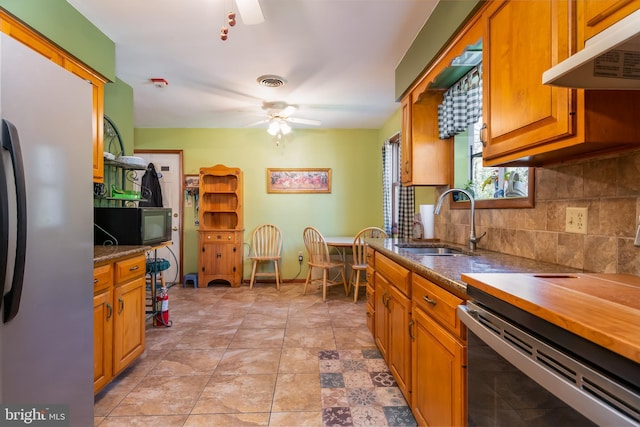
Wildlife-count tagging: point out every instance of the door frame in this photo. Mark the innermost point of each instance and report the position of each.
(180, 160)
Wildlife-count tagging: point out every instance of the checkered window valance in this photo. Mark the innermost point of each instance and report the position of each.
(461, 104)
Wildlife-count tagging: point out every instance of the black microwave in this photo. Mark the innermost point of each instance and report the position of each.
(131, 226)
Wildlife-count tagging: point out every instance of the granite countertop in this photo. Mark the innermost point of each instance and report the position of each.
(108, 253)
(446, 271)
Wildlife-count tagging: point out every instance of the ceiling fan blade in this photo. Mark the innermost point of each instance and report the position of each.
(304, 121)
(289, 110)
(259, 122)
(250, 11)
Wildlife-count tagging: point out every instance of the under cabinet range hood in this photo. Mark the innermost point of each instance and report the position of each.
(609, 60)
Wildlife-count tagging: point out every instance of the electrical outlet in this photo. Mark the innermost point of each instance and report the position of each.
(577, 220)
(300, 256)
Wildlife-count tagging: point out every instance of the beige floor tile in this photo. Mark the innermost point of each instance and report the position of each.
(303, 419)
(236, 393)
(348, 338)
(194, 370)
(258, 338)
(299, 360)
(297, 392)
(162, 395)
(145, 421)
(227, 420)
(109, 397)
(321, 337)
(265, 320)
(188, 362)
(202, 338)
(249, 361)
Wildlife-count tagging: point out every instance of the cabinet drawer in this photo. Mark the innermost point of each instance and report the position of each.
(437, 303)
(370, 274)
(370, 295)
(130, 268)
(370, 257)
(102, 277)
(218, 236)
(394, 273)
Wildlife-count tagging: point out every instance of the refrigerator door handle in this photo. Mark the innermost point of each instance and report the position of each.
(11, 142)
(4, 228)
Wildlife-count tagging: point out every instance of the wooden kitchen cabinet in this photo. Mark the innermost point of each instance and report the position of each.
(595, 16)
(426, 158)
(51, 51)
(119, 316)
(392, 312)
(220, 257)
(438, 357)
(370, 289)
(528, 123)
(102, 326)
(220, 236)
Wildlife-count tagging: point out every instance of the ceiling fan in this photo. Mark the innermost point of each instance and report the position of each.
(279, 116)
(250, 11)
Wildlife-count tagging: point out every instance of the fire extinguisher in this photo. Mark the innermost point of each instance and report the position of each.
(162, 303)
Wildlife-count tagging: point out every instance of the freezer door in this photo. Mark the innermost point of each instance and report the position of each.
(46, 350)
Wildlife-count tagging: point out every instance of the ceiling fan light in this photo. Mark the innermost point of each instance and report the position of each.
(285, 128)
(274, 128)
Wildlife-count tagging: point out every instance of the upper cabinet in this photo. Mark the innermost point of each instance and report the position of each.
(30, 38)
(528, 123)
(595, 16)
(427, 159)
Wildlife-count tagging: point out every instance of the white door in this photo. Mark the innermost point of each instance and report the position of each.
(169, 171)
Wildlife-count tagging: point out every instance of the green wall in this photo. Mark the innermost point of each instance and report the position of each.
(445, 20)
(65, 26)
(355, 201)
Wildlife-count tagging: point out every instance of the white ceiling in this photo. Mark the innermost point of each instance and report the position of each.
(338, 56)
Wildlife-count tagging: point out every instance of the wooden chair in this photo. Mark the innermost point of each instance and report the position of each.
(360, 255)
(266, 244)
(319, 258)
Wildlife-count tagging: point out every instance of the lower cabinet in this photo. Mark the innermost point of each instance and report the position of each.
(220, 257)
(119, 317)
(439, 380)
(417, 330)
(102, 339)
(392, 314)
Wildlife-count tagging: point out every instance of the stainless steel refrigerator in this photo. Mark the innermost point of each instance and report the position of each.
(46, 241)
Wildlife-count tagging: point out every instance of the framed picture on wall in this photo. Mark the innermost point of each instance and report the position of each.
(298, 180)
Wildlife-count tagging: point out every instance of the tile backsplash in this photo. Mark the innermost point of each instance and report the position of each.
(608, 187)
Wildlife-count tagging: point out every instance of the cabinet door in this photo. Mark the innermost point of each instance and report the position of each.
(102, 339)
(381, 334)
(595, 16)
(399, 348)
(217, 258)
(129, 323)
(520, 43)
(439, 378)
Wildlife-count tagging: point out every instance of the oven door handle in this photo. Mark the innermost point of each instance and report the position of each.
(579, 399)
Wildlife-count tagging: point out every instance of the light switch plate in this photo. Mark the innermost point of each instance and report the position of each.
(577, 220)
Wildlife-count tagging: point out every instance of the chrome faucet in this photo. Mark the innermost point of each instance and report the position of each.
(473, 239)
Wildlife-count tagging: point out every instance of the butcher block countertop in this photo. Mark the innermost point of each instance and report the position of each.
(602, 308)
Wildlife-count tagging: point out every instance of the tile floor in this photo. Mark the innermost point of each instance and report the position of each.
(235, 357)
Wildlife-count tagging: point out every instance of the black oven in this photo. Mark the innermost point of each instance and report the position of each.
(518, 376)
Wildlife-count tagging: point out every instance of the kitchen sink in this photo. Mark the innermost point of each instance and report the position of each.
(430, 250)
